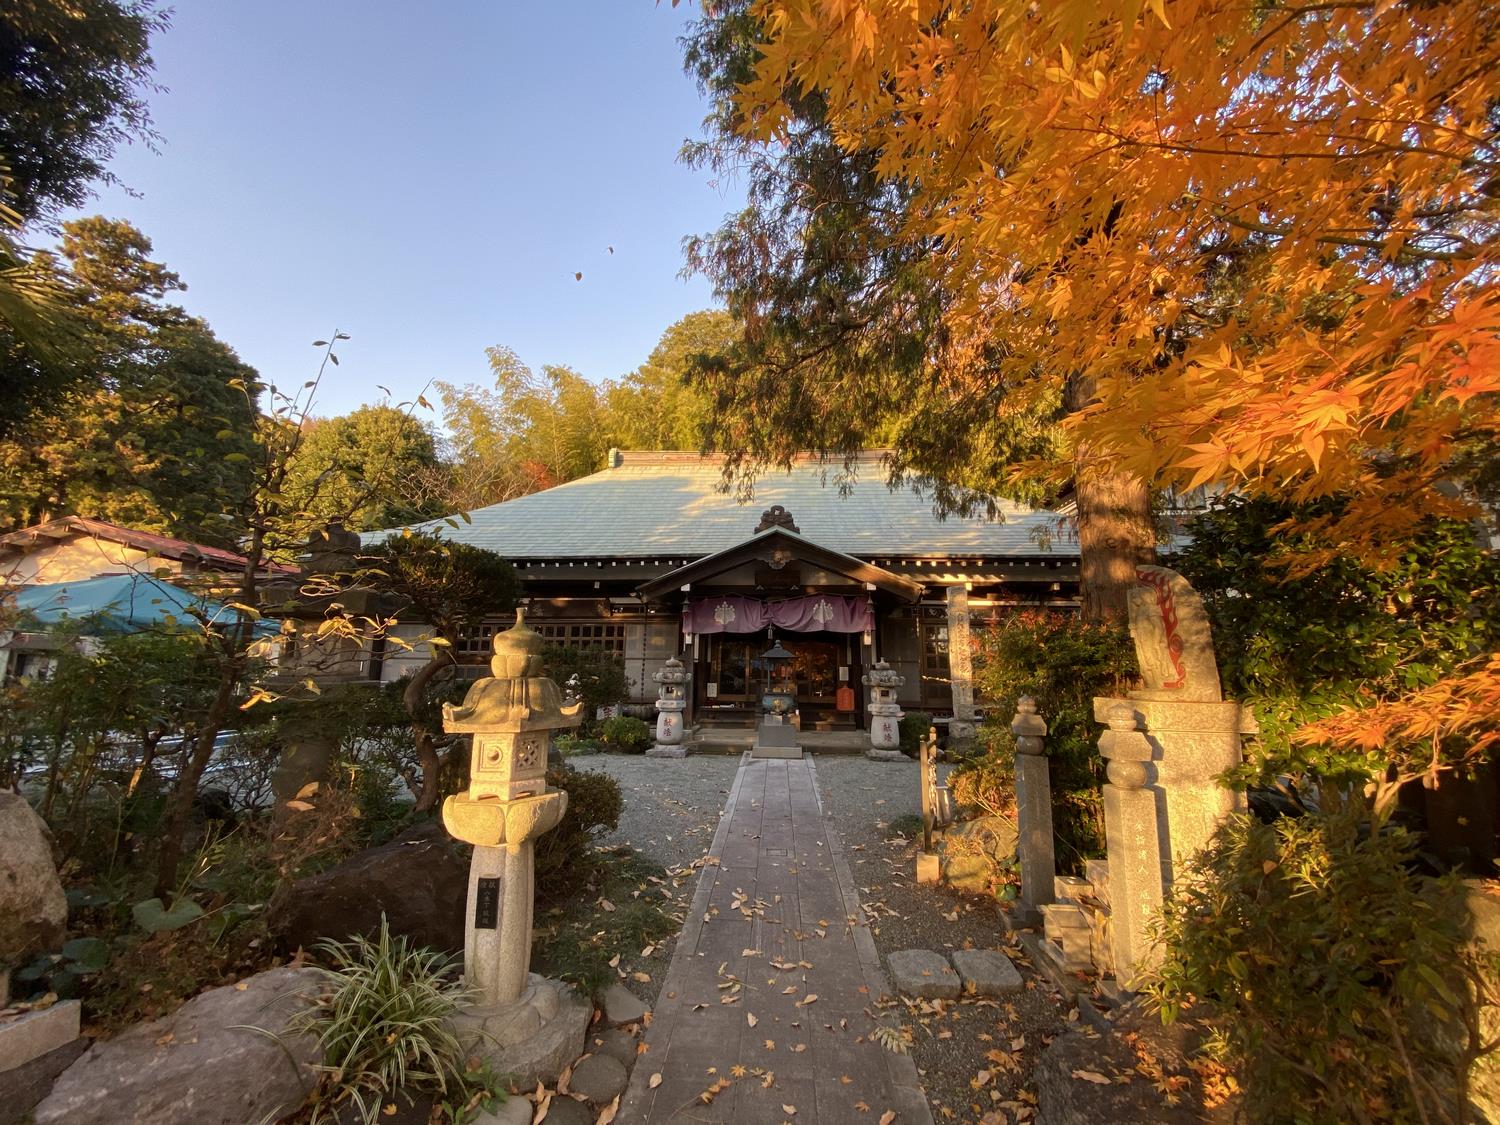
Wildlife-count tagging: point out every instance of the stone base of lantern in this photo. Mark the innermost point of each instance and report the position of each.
(886, 756)
(532, 1039)
(659, 751)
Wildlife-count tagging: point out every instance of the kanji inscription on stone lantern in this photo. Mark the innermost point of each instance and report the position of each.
(671, 701)
(885, 713)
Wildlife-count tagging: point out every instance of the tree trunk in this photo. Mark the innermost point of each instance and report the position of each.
(427, 755)
(181, 807)
(1115, 533)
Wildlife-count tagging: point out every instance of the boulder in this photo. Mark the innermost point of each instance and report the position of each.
(600, 1079)
(203, 1065)
(923, 973)
(974, 850)
(33, 908)
(621, 1006)
(419, 881)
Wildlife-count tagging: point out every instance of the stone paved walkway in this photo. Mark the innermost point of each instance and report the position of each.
(768, 1007)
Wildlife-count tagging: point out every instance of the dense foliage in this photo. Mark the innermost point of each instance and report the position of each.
(1344, 980)
(1062, 662)
(626, 733)
(601, 679)
(161, 437)
(1302, 645)
(594, 806)
(369, 468)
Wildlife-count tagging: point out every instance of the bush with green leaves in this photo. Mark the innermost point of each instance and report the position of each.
(1299, 643)
(913, 728)
(1062, 662)
(601, 676)
(1341, 979)
(594, 806)
(986, 784)
(627, 734)
(382, 1023)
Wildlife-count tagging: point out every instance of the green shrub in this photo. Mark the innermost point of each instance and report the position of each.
(1062, 662)
(914, 727)
(383, 1026)
(601, 676)
(625, 733)
(986, 783)
(594, 806)
(1340, 978)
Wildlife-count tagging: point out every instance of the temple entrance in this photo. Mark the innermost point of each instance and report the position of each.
(738, 676)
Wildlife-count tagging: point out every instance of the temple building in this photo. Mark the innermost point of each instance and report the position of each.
(651, 558)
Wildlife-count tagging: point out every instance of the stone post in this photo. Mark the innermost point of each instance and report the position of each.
(885, 714)
(929, 865)
(1131, 836)
(1035, 844)
(962, 729)
(671, 700)
(525, 1025)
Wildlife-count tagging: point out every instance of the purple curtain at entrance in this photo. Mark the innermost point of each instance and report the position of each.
(797, 615)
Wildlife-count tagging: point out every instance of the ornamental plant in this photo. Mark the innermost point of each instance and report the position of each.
(1343, 979)
(1062, 662)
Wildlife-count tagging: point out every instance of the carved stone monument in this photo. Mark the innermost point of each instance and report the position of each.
(671, 701)
(1194, 733)
(885, 714)
(1166, 746)
(962, 728)
(524, 1024)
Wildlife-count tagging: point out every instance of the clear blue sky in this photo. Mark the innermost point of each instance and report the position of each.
(426, 177)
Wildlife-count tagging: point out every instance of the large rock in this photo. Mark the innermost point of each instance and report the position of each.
(202, 1065)
(987, 972)
(33, 908)
(419, 881)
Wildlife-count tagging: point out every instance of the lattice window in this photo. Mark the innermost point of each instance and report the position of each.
(474, 640)
(606, 635)
(935, 649)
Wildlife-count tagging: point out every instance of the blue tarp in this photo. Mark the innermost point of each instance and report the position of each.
(126, 603)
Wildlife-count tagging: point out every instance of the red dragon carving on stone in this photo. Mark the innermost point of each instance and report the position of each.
(1166, 603)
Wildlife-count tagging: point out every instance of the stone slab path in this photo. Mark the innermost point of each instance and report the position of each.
(768, 1009)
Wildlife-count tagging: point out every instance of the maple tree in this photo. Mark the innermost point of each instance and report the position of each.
(1251, 247)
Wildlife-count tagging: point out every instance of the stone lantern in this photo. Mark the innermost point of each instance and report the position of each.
(526, 1025)
(885, 714)
(672, 699)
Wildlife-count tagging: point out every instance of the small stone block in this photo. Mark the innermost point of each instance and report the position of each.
(1097, 873)
(667, 752)
(923, 973)
(886, 756)
(986, 972)
(1070, 887)
(32, 1034)
(929, 868)
(600, 1079)
(621, 1006)
(761, 751)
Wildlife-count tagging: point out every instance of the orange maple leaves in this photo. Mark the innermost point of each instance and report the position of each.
(1264, 237)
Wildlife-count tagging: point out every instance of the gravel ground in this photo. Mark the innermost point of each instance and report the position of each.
(955, 1041)
(671, 812)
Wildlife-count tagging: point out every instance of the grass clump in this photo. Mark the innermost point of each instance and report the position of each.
(383, 1025)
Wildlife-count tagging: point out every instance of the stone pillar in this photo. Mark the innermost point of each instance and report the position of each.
(1035, 843)
(525, 1025)
(929, 864)
(885, 714)
(1136, 880)
(671, 700)
(962, 729)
